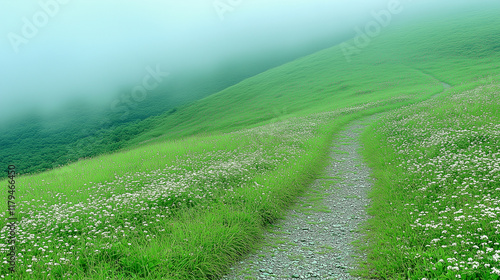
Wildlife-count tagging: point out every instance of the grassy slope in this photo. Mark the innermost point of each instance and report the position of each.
(436, 200)
(182, 247)
(324, 81)
(461, 48)
(470, 49)
(39, 141)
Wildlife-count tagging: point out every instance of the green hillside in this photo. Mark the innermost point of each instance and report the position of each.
(193, 193)
(39, 141)
(409, 59)
(435, 203)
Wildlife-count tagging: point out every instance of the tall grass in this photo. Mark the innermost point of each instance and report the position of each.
(175, 210)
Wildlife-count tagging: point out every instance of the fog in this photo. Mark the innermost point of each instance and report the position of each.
(52, 51)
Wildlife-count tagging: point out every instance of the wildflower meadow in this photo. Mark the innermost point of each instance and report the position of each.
(436, 204)
(176, 210)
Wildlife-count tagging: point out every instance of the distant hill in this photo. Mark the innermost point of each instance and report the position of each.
(426, 51)
(36, 142)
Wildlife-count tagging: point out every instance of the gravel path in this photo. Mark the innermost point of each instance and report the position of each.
(314, 240)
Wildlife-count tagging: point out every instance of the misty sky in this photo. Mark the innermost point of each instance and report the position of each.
(88, 48)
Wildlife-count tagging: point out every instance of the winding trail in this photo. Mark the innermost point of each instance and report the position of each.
(314, 240)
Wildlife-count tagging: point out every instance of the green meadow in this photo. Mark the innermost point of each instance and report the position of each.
(436, 202)
(194, 194)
